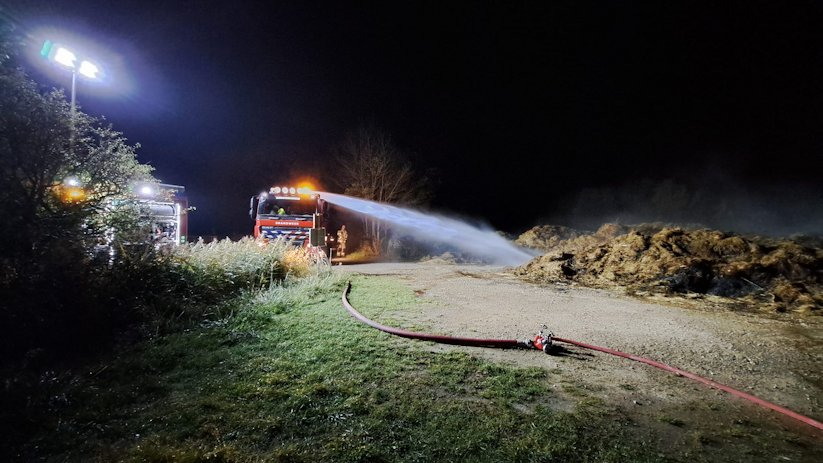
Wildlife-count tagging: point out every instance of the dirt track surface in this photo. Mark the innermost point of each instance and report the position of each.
(777, 360)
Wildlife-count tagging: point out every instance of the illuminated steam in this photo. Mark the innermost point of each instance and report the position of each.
(712, 200)
(484, 244)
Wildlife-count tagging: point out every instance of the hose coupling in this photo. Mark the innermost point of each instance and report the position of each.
(543, 339)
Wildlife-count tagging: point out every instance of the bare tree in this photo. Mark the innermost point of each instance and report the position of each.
(372, 168)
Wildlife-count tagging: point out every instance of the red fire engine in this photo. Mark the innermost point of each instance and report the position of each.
(289, 213)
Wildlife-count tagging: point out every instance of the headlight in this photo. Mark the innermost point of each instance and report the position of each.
(285, 189)
(276, 189)
(292, 190)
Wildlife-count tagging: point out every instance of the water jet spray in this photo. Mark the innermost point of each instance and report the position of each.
(484, 244)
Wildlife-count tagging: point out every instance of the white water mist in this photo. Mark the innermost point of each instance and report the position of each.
(484, 244)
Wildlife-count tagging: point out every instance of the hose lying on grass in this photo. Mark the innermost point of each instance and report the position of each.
(514, 344)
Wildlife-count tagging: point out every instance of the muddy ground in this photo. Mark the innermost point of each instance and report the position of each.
(778, 359)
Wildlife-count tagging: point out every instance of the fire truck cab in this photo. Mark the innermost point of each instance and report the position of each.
(289, 213)
(164, 208)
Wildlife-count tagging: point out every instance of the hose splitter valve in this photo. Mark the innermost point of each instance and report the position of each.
(542, 340)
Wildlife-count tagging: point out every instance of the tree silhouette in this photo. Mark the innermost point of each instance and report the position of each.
(373, 168)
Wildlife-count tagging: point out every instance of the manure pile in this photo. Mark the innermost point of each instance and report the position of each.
(749, 272)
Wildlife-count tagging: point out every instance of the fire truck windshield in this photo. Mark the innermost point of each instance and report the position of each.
(303, 206)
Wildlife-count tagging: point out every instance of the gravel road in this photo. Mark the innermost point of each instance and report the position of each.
(778, 360)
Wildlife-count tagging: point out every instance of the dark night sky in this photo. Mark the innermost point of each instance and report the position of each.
(527, 113)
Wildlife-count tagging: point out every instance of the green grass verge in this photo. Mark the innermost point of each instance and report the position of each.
(291, 377)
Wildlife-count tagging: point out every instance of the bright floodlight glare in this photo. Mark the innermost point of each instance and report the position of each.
(146, 190)
(65, 57)
(276, 189)
(88, 69)
(292, 190)
(71, 181)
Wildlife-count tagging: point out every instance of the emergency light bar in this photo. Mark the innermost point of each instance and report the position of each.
(286, 190)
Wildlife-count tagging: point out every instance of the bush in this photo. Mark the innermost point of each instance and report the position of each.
(71, 303)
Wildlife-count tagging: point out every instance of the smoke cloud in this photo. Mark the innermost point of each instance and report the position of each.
(774, 210)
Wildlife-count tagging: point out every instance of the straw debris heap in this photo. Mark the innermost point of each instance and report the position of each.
(651, 259)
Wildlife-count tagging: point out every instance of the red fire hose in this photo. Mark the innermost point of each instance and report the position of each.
(537, 344)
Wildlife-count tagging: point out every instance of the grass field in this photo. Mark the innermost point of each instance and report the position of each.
(289, 376)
